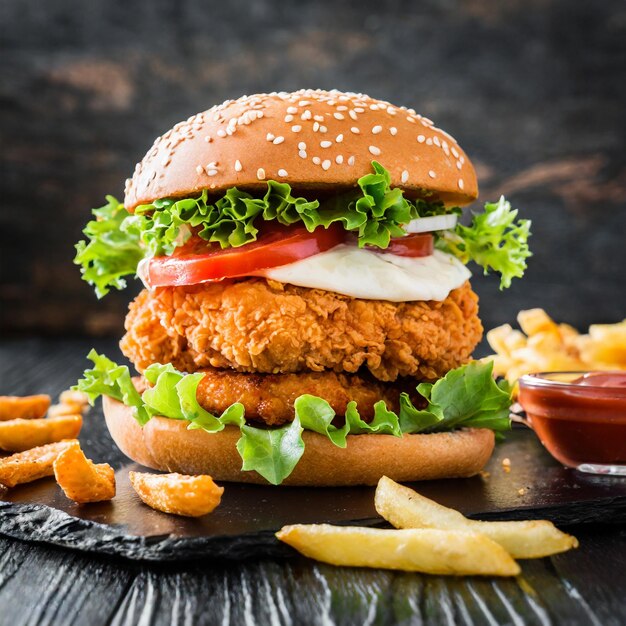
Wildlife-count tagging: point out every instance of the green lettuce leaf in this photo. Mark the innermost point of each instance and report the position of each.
(317, 415)
(467, 396)
(107, 378)
(112, 251)
(272, 452)
(385, 422)
(494, 240)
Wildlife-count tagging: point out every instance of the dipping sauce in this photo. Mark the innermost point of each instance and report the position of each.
(580, 417)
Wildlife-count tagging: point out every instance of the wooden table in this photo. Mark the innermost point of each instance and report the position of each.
(46, 585)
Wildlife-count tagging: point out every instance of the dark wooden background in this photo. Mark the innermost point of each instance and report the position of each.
(535, 91)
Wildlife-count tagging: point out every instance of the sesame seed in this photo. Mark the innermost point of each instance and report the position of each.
(410, 119)
(339, 138)
(282, 173)
(278, 140)
(459, 165)
(429, 141)
(374, 150)
(326, 144)
(339, 159)
(306, 115)
(260, 174)
(391, 110)
(326, 164)
(342, 107)
(296, 128)
(316, 127)
(405, 176)
(221, 133)
(302, 154)
(461, 183)
(302, 145)
(455, 153)
(269, 137)
(355, 130)
(211, 172)
(421, 138)
(351, 160)
(436, 141)
(374, 107)
(376, 130)
(288, 118)
(353, 114)
(199, 169)
(432, 174)
(339, 116)
(208, 139)
(292, 110)
(393, 130)
(304, 103)
(462, 159)
(323, 129)
(318, 118)
(238, 167)
(316, 160)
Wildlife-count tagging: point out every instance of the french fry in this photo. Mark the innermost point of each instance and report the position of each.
(82, 480)
(550, 347)
(190, 496)
(425, 550)
(606, 345)
(71, 402)
(22, 434)
(405, 508)
(33, 464)
(498, 339)
(535, 321)
(71, 396)
(23, 407)
(65, 408)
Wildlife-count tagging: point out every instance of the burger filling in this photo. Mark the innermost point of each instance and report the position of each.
(277, 313)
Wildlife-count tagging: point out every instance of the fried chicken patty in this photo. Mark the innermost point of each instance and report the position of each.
(269, 398)
(262, 326)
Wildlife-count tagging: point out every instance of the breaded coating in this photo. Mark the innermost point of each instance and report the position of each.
(256, 325)
(269, 398)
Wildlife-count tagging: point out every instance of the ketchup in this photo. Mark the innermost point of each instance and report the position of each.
(602, 379)
(580, 418)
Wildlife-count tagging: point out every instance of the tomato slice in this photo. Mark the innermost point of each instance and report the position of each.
(281, 245)
(413, 245)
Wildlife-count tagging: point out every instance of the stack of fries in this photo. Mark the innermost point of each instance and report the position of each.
(43, 440)
(431, 539)
(545, 346)
(46, 445)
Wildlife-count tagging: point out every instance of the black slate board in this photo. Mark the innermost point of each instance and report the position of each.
(244, 524)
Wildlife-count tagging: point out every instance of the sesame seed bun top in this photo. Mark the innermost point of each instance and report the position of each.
(311, 139)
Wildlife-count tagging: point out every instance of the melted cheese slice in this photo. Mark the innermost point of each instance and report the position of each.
(375, 276)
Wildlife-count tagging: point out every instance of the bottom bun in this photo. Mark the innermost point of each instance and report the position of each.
(166, 444)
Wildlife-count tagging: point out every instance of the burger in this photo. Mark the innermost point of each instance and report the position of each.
(307, 316)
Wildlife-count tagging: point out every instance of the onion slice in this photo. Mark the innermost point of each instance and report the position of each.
(430, 224)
